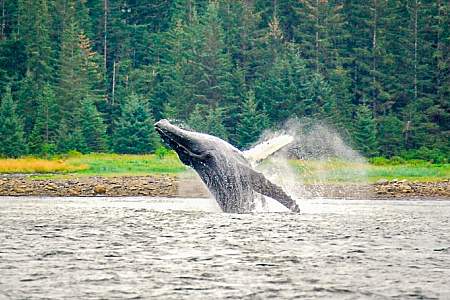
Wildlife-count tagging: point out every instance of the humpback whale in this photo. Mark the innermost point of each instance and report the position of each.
(223, 168)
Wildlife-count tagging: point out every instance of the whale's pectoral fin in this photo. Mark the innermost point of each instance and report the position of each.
(263, 186)
(267, 148)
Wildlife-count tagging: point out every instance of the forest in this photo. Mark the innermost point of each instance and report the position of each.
(94, 75)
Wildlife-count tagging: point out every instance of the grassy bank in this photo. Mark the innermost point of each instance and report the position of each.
(137, 165)
(341, 171)
(99, 164)
(36, 165)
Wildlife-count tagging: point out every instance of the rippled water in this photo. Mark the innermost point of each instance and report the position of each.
(131, 248)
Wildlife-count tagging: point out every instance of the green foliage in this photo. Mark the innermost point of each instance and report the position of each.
(45, 130)
(134, 131)
(390, 135)
(161, 152)
(11, 128)
(73, 71)
(382, 161)
(48, 150)
(365, 132)
(283, 90)
(251, 122)
(208, 120)
(92, 127)
(431, 155)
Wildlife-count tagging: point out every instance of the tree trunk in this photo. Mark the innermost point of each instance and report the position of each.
(105, 34)
(3, 25)
(374, 49)
(416, 8)
(113, 83)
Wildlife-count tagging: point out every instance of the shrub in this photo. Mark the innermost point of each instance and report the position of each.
(161, 152)
(73, 153)
(379, 161)
(396, 160)
(436, 156)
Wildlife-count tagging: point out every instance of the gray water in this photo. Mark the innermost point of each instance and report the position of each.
(132, 248)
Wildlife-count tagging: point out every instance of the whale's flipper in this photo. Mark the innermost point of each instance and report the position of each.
(267, 148)
(263, 186)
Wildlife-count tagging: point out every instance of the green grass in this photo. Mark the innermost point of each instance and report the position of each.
(429, 172)
(100, 164)
(308, 171)
(341, 171)
(127, 165)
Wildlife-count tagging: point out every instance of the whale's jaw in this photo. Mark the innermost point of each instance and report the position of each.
(184, 142)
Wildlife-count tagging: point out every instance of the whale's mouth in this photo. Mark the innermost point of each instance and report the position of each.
(170, 139)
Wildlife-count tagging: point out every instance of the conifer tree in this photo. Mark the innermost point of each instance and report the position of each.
(320, 33)
(251, 122)
(212, 74)
(208, 120)
(92, 127)
(11, 128)
(45, 131)
(365, 132)
(134, 131)
(390, 135)
(79, 86)
(243, 37)
(34, 33)
(284, 90)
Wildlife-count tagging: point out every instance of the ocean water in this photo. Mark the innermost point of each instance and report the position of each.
(141, 248)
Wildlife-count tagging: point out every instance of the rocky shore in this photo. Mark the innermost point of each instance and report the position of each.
(383, 189)
(164, 186)
(172, 186)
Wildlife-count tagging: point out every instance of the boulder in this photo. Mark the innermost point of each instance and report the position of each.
(382, 181)
(99, 189)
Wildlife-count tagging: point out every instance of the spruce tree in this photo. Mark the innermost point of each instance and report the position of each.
(320, 33)
(92, 127)
(134, 131)
(79, 86)
(365, 133)
(251, 122)
(208, 120)
(11, 128)
(34, 33)
(390, 135)
(284, 91)
(45, 131)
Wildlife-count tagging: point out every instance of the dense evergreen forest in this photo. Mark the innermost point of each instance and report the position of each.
(94, 75)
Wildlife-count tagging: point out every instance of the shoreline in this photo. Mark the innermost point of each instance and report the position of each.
(190, 186)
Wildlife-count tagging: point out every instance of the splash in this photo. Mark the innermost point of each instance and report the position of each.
(317, 163)
(308, 159)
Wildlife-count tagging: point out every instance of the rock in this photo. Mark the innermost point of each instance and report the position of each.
(382, 181)
(169, 186)
(73, 192)
(19, 191)
(51, 186)
(100, 189)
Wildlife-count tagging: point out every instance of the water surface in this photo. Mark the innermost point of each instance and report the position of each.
(132, 248)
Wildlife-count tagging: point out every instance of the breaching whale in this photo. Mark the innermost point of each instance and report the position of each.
(223, 168)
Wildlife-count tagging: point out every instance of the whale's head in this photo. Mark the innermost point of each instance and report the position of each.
(190, 146)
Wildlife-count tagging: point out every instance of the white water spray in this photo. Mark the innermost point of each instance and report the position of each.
(317, 163)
